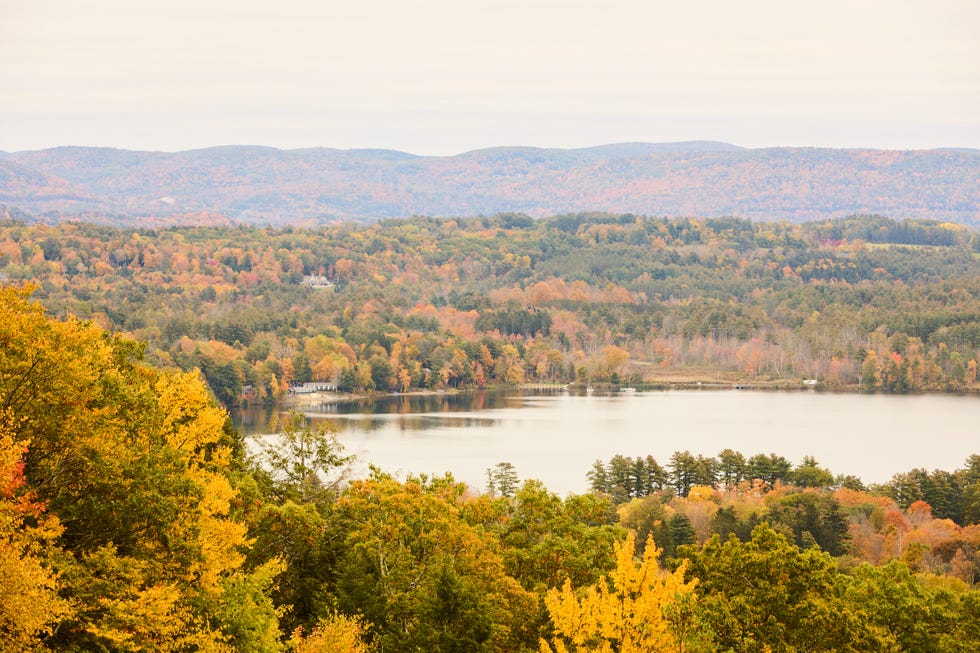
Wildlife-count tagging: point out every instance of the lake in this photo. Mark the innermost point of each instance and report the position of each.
(556, 436)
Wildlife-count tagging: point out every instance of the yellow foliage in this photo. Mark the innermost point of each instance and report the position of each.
(703, 493)
(29, 601)
(628, 612)
(148, 553)
(191, 420)
(336, 634)
(149, 615)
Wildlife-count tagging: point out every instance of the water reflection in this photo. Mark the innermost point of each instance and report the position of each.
(407, 412)
(555, 437)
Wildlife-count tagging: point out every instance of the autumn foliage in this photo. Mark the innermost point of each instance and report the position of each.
(863, 302)
(132, 518)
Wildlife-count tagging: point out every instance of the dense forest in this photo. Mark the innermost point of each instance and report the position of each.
(863, 302)
(133, 518)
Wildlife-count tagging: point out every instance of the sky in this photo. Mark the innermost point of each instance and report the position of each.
(441, 77)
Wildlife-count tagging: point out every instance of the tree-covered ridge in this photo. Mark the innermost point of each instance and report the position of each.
(133, 519)
(427, 303)
(262, 185)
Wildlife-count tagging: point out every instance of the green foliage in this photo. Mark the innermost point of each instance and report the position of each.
(423, 578)
(305, 463)
(545, 540)
(810, 474)
(765, 594)
(296, 536)
(813, 519)
(908, 616)
(502, 479)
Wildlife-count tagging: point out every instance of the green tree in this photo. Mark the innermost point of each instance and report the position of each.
(502, 479)
(546, 539)
(598, 477)
(422, 577)
(809, 473)
(768, 469)
(906, 615)
(765, 594)
(306, 463)
(731, 467)
(813, 518)
(684, 472)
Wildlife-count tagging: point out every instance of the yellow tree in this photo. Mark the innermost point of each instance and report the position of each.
(338, 633)
(29, 602)
(613, 359)
(636, 609)
(134, 464)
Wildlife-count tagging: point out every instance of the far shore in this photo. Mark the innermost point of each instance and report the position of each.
(679, 382)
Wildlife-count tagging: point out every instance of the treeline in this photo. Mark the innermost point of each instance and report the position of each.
(132, 518)
(928, 519)
(433, 303)
(951, 495)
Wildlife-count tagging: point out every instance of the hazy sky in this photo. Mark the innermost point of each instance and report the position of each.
(445, 76)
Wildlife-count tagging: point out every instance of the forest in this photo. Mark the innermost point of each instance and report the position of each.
(864, 302)
(310, 186)
(133, 518)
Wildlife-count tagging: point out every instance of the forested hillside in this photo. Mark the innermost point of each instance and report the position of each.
(262, 185)
(428, 303)
(133, 519)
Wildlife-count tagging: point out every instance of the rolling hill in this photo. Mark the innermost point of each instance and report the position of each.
(263, 185)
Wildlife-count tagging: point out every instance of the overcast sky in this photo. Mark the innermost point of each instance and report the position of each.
(446, 76)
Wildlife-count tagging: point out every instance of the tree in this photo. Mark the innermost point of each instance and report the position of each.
(29, 601)
(502, 479)
(336, 634)
(731, 468)
(135, 465)
(969, 479)
(768, 469)
(422, 577)
(305, 462)
(646, 518)
(907, 615)
(813, 518)
(598, 477)
(635, 609)
(765, 594)
(297, 536)
(655, 476)
(809, 473)
(546, 540)
(684, 472)
(620, 471)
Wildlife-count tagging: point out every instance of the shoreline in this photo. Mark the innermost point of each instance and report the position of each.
(307, 400)
(319, 398)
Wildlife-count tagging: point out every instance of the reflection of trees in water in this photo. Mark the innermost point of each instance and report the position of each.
(406, 423)
(256, 420)
(426, 403)
(416, 412)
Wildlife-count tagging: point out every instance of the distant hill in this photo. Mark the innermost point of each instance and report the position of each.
(248, 184)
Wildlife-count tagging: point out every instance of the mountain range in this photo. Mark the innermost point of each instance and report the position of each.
(263, 185)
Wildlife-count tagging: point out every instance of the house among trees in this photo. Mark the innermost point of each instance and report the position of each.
(312, 386)
(316, 281)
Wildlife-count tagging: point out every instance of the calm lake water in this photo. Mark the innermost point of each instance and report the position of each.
(555, 437)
